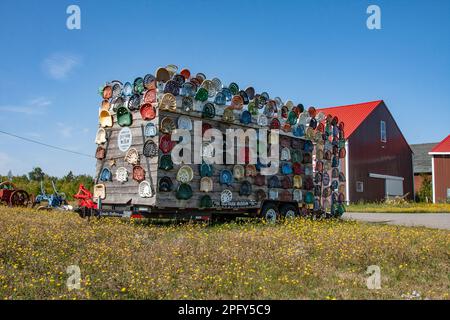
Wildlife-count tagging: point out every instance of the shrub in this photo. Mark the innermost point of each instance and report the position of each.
(425, 192)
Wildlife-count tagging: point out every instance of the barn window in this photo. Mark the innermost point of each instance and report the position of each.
(359, 186)
(383, 131)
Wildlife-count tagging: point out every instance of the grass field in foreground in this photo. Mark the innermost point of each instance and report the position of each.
(408, 207)
(301, 259)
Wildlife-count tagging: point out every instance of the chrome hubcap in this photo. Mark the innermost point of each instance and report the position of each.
(290, 214)
(271, 215)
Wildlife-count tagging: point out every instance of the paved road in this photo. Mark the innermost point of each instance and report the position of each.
(430, 220)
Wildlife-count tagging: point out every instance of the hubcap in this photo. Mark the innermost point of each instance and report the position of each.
(271, 215)
(290, 214)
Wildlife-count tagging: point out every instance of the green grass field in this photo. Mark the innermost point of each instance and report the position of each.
(300, 259)
(407, 207)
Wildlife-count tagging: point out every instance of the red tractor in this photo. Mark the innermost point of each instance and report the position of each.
(13, 197)
(86, 204)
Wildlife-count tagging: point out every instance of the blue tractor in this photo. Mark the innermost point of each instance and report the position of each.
(57, 200)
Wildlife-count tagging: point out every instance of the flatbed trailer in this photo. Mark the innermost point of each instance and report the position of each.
(134, 180)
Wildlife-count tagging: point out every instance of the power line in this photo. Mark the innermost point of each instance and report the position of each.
(47, 145)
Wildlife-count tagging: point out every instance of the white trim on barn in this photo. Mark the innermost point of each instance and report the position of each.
(439, 153)
(413, 182)
(433, 179)
(347, 178)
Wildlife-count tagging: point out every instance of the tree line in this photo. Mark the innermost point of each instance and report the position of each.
(31, 182)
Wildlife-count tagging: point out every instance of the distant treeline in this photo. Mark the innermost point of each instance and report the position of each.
(32, 182)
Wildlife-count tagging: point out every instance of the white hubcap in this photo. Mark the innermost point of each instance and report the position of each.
(271, 215)
(290, 214)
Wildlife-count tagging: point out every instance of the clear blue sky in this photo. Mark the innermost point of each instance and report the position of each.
(318, 52)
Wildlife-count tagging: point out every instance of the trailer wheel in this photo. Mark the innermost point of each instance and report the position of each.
(270, 212)
(82, 212)
(289, 211)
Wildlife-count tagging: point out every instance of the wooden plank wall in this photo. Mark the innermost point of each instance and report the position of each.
(127, 193)
(123, 193)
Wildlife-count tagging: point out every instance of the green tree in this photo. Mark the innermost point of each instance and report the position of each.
(425, 193)
(69, 177)
(36, 174)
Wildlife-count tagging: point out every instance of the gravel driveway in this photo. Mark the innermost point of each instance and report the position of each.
(430, 220)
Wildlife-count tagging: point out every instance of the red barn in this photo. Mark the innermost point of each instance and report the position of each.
(440, 166)
(378, 163)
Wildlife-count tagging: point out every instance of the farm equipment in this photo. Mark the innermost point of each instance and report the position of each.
(57, 200)
(86, 204)
(13, 197)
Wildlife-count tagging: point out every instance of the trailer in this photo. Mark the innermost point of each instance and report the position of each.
(141, 124)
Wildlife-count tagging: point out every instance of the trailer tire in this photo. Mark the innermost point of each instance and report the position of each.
(270, 212)
(289, 211)
(83, 212)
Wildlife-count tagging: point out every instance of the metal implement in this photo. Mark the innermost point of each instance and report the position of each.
(54, 200)
(13, 197)
(86, 204)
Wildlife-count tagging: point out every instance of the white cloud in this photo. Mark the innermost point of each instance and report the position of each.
(34, 106)
(40, 102)
(65, 130)
(59, 65)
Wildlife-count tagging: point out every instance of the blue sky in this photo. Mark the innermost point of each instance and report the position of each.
(317, 52)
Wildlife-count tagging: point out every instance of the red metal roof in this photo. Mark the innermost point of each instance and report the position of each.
(352, 115)
(443, 146)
